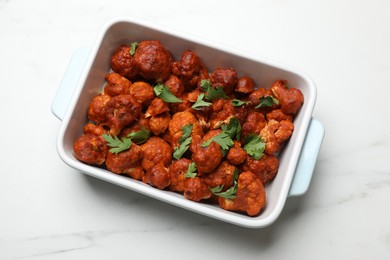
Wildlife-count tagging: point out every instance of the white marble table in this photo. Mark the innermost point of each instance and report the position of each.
(50, 211)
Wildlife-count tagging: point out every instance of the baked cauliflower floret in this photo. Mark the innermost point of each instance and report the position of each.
(157, 107)
(222, 111)
(90, 147)
(245, 85)
(159, 123)
(225, 78)
(265, 168)
(122, 62)
(222, 176)
(142, 92)
(126, 162)
(254, 123)
(116, 85)
(177, 172)
(190, 69)
(207, 158)
(195, 189)
(121, 111)
(250, 196)
(157, 176)
(153, 61)
(275, 134)
(97, 111)
(156, 150)
(236, 155)
(291, 99)
(175, 85)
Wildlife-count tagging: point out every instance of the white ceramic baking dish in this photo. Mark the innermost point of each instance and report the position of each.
(84, 78)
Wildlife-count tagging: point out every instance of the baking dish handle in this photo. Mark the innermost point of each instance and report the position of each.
(69, 82)
(309, 153)
(308, 157)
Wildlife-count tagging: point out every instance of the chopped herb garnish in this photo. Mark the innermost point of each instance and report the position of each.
(223, 139)
(200, 102)
(179, 151)
(184, 142)
(254, 146)
(233, 129)
(228, 194)
(139, 137)
(267, 101)
(212, 93)
(216, 189)
(191, 172)
(186, 130)
(238, 103)
(133, 46)
(117, 145)
(166, 94)
(235, 176)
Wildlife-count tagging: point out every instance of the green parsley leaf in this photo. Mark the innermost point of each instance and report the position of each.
(233, 129)
(205, 85)
(228, 194)
(179, 151)
(267, 101)
(254, 146)
(184, 142)
(191, 172)
(166, 94)
(235, 176)
(117, 144)
(134, 46)
(200, 103)
(139, 137)
(216, 189)
(238, 103)
(187, 130)
(212, 93)
(223, 139)
(215, 93)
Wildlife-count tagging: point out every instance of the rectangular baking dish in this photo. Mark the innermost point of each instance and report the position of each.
(85, 78)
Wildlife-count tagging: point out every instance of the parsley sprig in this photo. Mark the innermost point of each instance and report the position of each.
(238, 103)
(223, 139)
(139, 137)
(133, 47)
(254, 146)
(191, 172)
(267, 101)
(229, 132)
(166, 94)
(119, 145)
(178, 151)
(233, 129)
(212, 93)
(228, 194)
(200, 102)
(184, 142)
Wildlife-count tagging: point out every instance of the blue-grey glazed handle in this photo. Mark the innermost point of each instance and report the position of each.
(69, 82)
(307, 159)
